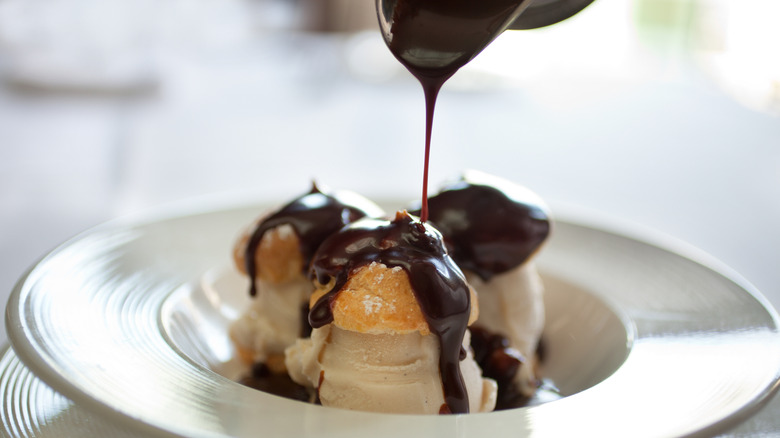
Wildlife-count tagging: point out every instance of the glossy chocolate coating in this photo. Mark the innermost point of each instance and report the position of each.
(314, 216)
(438, 285)
(501, 363)
(490, 225)
(263, 379)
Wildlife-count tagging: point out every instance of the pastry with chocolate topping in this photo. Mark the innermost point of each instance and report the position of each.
(493, 228)
(275, 253)
(390, 318)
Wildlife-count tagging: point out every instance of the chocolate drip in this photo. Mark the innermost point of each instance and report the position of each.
(305, 328)
(263, 379)
(433, 39)
(438, 284)
(499, 362)
(314, 217)
(490, 225)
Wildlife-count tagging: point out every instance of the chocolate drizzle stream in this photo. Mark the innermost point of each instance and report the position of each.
(314, 217)
(438, 284)
(490, 225)
(433, 39)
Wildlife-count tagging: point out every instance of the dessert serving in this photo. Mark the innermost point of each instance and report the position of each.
(391, 307)
(390, 303)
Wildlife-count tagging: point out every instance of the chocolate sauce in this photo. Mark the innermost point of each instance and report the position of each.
(438, 284)
(499, 362)
(314, 216)
(263, 379)
(305, 328)
(435, 38)
(490, 225)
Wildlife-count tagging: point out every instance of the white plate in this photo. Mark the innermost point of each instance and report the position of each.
(117, 320)
(31, 409)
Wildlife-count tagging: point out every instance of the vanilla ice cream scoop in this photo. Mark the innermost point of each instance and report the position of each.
(390, 317)
(390, 373)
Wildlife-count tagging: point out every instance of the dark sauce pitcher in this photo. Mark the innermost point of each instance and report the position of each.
(446, 34)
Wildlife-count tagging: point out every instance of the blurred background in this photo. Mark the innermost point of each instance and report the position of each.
(662, 113)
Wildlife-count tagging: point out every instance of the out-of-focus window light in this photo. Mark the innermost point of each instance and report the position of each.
(594, 42)
(619, 43)
(740, 49)
(110, 45)
(584, 59)
(612, 44)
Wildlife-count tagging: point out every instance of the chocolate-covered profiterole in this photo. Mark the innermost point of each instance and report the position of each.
(492, 228)
(313, 217)
(274, 254)
(490, 225)
(438, 285)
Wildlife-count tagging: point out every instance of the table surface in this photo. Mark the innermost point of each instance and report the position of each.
(641, 132)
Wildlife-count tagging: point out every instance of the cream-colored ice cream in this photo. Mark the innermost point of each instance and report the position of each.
(378, 353)
(392, 373)
(512, 304)
(272, 322)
